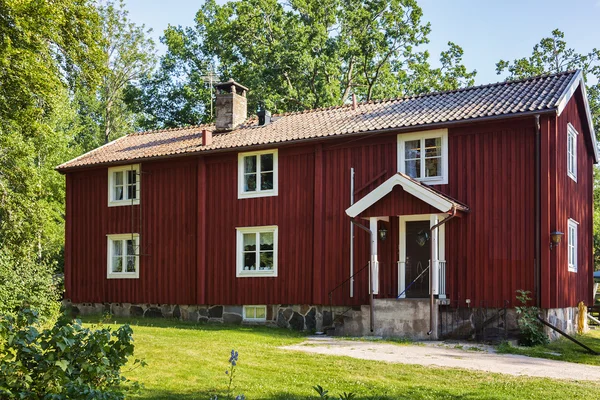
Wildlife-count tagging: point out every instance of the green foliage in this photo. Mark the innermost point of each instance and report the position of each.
(30, 282)
(324, 394)
(66, 361)
(532, 332)
(296, 55)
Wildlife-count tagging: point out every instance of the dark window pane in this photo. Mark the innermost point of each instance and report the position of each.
(266, 260)
(433, 167)
(433, 147)
(266, 181)
(266, 162)
(117, 264)
(131, 192)
(412, 149)
(250, 261)
(131, 177)
(249, 182)
(118, 193)
(250, 164)
(266, 241)
(130, 264)
(412, 168)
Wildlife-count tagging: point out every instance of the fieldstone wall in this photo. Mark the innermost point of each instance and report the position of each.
(296, 317)
(564, 319)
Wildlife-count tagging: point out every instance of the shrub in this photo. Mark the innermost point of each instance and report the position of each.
(532, 330)
(66, 361)
(23, 280)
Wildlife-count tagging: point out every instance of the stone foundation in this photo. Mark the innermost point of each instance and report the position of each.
(392, 318)
(564, 319)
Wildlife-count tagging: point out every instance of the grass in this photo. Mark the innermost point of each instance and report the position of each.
(188, 361)
(562, 349)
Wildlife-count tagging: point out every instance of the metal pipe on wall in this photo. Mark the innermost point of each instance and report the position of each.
(371, 316)
(351, 235)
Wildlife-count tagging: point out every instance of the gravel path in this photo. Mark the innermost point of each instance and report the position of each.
(441, 355)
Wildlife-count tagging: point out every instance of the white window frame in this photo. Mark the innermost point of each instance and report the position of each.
(109, 249)
(240, 272)
(572, 135)
(111, 186)
(242, 194)
(572, 244)
(436, 133)
(249, 319)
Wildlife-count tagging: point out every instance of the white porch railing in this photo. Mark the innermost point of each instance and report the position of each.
(441, 279)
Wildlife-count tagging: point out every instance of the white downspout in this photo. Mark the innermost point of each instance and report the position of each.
(374, 285)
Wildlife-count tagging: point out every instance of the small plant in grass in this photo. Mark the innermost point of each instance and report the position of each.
(324, 394)
(532, 331)
(230, 372)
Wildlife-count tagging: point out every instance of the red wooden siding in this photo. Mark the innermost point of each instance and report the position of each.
(571, 200)
(190, 212)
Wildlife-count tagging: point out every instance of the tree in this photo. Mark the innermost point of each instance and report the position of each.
(47, 48)
(296, 55)
(551, 55)
(129, 55)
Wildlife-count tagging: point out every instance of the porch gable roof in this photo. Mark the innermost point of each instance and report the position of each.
(423, 192)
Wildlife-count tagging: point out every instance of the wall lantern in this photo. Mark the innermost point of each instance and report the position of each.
(422, 238)
(555, 238)
(382, 233)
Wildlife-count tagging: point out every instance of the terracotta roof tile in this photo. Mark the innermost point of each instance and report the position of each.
(505, 98)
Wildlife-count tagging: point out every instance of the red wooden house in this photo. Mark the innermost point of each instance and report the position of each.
(378, 217)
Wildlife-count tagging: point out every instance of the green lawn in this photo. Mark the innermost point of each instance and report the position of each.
(188, 361)
(562, 349)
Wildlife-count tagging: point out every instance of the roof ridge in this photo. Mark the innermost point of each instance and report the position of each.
(176, 128)
(435, 93)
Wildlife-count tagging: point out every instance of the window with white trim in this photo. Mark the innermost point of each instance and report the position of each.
(255, 313)
(123, 256)
(124, 185)
(572, 151)
(257, 174)
(572, 244)
(257, 251)
(424, 155)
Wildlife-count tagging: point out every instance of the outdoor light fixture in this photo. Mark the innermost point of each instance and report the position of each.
(555, 238)
(422, 238)
(382, 234)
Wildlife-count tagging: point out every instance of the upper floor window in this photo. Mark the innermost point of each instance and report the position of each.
(123, 256)
(257, 251)
(572, 239)
(424, 155)
(257, 174)
(572, 151)
(124, 185)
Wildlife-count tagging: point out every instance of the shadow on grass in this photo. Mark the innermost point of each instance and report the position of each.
(202, 326)
(434, 394)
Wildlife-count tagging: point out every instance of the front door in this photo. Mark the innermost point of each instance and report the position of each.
(417, 258)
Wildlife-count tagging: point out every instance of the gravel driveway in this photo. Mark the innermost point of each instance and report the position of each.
(442, 355)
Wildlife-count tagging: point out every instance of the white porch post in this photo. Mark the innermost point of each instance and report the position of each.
(435, 260)
(374, 262)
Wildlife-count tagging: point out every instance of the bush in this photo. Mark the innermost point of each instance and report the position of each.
(66, 361)
(532, 330)
(26, 281)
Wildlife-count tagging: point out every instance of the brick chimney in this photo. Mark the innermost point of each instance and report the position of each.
(231, 105)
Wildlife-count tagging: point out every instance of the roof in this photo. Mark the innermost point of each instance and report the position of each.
(423, 192)
(521, 97)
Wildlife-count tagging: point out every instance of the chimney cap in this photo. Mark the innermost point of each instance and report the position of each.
(226, 86)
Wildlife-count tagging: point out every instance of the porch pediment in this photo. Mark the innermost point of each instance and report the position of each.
(426, 194)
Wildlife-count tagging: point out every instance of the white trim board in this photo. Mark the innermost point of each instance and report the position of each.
(410, 186)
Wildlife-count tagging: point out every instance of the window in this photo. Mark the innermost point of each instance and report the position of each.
(257, 175)
(572, 238)
(424, 155)
(257, 251)
(124, 185)
(255, 313)
(123, 256)
(572, 152)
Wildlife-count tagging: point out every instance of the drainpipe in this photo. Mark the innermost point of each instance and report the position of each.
(371, 234)
(431, 251)
(538, 225)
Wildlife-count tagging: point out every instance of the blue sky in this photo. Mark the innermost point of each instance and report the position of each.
(487, 30)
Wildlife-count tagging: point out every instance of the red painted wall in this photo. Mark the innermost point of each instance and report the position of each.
(190, 211)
